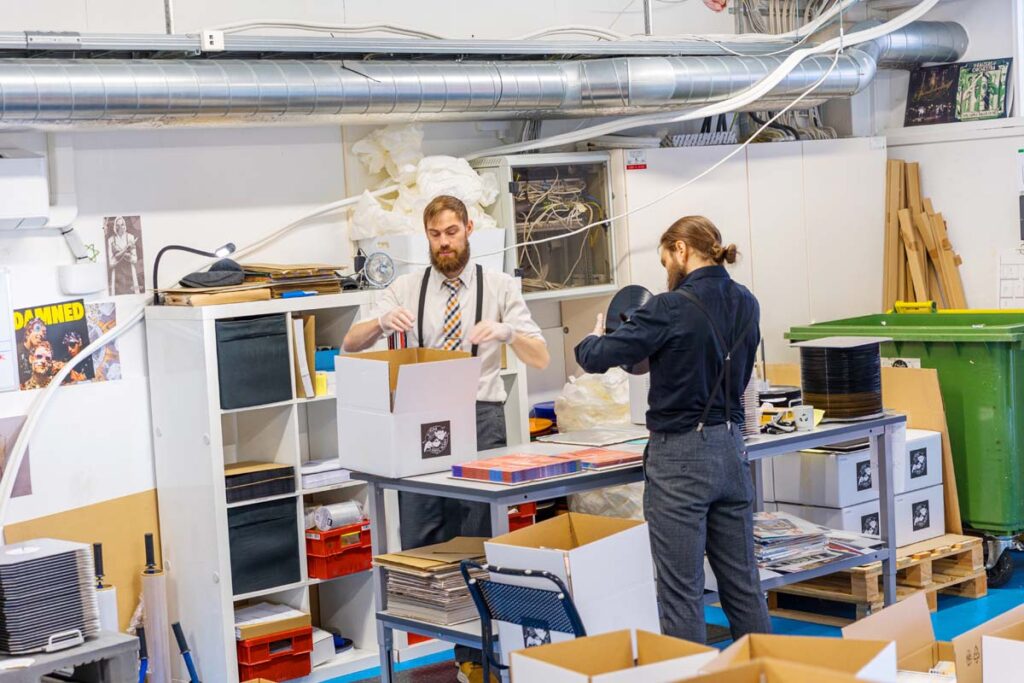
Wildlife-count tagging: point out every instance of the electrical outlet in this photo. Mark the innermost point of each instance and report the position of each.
(213, 41)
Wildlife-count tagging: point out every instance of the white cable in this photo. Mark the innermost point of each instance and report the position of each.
(327, 28)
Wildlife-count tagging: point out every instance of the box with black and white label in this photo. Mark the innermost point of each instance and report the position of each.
(826, 478)
(920, 516)
(917, 462)
(390, 420)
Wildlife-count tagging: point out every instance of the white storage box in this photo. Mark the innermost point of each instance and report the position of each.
(920, 515)
(411, 251)
(390, 420)
(826, 479)
(619, 657)
(323, 647)
(605, 561)
(917, 463)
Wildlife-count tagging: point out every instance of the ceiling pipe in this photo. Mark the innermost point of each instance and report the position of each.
(53, 94)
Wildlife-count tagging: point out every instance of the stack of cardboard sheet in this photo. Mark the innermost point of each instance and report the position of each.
(281, 278)
(426, 584)
(920, 264)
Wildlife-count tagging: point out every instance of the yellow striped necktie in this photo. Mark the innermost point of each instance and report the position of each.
(452, 331)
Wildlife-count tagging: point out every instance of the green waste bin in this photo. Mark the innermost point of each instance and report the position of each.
(980, 361)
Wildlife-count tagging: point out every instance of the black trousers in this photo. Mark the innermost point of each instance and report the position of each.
(426, 520)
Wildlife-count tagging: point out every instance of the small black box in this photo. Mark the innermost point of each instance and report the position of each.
(249, 480)
(264, 543)
(253, 364)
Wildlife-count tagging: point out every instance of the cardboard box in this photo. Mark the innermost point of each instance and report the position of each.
(863, 659)
(323, 647)
(920, 516)
(826, 479)
(605, 561)
(390, 421)
(265, 618)
(774, 671)
(1002, 655)
(617, 657)
(917, 462)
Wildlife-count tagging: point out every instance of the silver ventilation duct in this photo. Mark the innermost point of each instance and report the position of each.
(54, 93)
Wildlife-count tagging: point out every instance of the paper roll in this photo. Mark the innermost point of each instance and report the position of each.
(310, 516)
(107, 599)
(158, 627)
(338, 514)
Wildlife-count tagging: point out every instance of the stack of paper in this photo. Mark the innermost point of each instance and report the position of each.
(265, 618)
(517, 468)
(318, 473)
(280, 277)
(426, 583)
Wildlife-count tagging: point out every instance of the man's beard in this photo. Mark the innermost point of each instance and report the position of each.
(675, 276)
(453, 263)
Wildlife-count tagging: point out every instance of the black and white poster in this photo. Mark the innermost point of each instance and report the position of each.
(122, 236)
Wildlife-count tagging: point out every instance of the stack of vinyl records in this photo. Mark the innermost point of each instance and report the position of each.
(751, 418)
(842, 376)
(516, 468)
(47, 596)
(779, 537)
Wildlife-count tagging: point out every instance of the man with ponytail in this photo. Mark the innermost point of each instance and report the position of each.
(700, 339)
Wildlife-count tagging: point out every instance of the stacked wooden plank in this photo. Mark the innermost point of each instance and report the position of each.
(920, 263)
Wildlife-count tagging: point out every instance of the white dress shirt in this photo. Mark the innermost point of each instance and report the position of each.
(503, 302)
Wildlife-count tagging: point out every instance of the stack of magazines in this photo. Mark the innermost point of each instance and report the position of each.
(787, 544)
(426, 584)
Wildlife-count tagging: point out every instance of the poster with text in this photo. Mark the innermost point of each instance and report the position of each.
(10, 427)
(46, 338)
(122, 236)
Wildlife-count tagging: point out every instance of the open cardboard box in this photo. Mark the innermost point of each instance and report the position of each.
(909, 624)
(617, 657)
(407, 412)
(605, 562)
(774, 671)
(864, 660)
(1003, 652)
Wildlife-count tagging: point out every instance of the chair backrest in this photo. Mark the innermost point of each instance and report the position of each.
(546, 609)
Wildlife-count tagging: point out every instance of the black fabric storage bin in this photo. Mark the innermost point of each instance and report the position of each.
(253, 364)
(264, 543)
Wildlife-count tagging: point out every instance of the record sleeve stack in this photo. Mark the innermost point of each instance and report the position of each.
(517, 468)
(842, 376)
(426, 583)
(604, 458)
(47, 587)
(780, 537)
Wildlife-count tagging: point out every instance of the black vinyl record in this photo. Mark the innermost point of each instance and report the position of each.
(844, 382)
(626, 302)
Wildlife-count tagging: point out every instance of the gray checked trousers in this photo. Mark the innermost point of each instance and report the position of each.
(699, 498)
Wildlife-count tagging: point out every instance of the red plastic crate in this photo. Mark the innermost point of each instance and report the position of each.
(523, 515)
(353, 560)
(282, 669)
(334, 541)
(266, 648)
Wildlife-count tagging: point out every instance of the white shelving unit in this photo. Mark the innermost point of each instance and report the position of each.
(194, 438)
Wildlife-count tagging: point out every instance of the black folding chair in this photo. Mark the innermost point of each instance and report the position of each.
(537, 610)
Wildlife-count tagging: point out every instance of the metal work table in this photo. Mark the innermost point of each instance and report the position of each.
(109, 658)
(500, 498)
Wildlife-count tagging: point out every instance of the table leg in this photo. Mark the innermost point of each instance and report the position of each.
(499, 519)
(379, 545)
(887, 517)
(757, 473)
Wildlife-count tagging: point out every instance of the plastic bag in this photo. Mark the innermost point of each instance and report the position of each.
(595, 401)
(396, 149)
(371, 219)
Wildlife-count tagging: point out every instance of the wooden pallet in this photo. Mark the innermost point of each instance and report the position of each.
(949, 564)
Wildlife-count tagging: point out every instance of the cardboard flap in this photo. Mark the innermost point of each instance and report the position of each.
(371, 376)
(589, 656)
(967, 650)
(774, 671)
(566, 532)
(457, 379)
(908, 623)
(438, 555)
(652, 648)
(249, 466)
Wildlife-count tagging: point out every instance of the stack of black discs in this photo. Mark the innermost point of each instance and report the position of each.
(843, 377)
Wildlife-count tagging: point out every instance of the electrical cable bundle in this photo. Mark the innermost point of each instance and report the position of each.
(843, 377)
(47, 596)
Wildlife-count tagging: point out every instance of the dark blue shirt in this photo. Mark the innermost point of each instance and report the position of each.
(685, 359)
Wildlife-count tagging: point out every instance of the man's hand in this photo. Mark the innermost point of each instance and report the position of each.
(491, 330)
(396, 320)
(716, 5)
(599, 326)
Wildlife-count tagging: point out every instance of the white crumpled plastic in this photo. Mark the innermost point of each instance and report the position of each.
(398, 151)
(595, 401)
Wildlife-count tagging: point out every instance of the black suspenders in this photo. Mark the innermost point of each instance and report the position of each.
(725, 351)
(423, 303)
